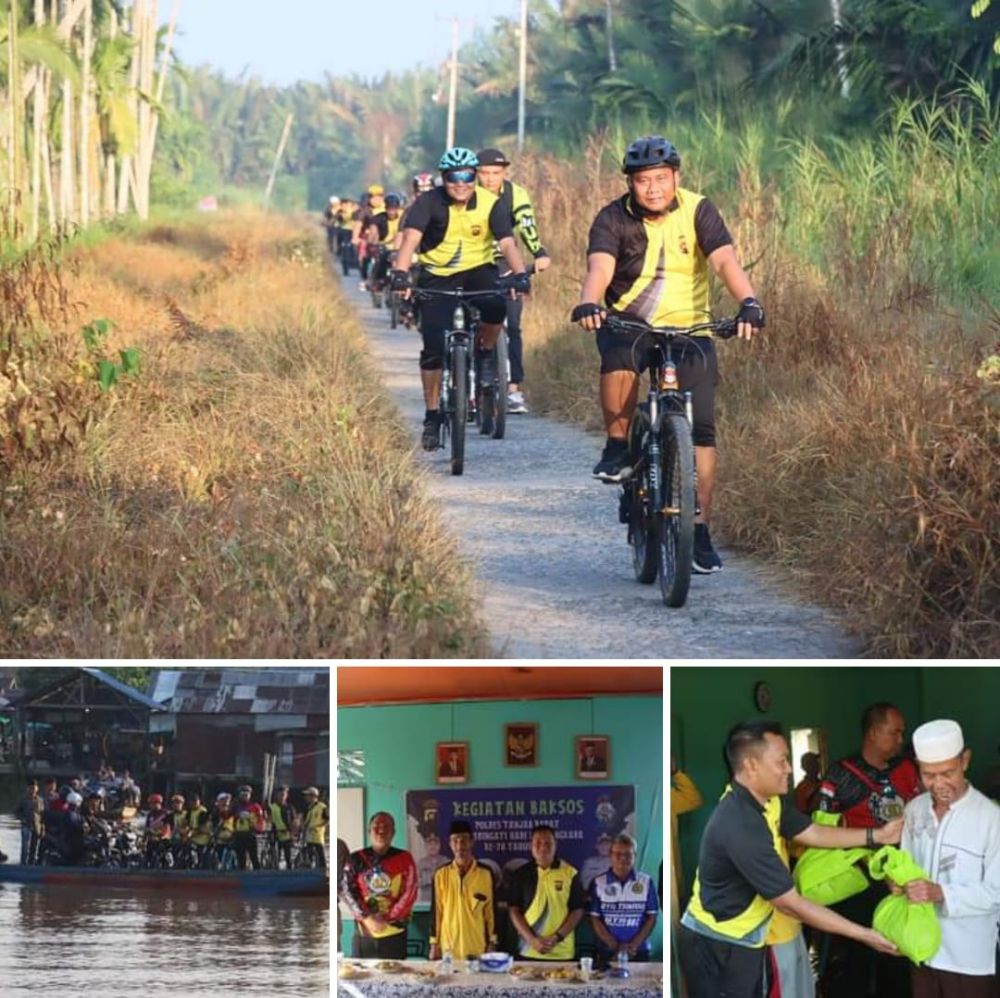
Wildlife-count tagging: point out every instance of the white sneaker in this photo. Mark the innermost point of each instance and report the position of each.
(362, 286)
(515, 403)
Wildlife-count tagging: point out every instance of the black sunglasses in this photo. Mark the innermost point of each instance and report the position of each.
(460, 176)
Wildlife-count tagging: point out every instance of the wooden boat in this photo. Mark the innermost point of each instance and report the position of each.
(273, 883)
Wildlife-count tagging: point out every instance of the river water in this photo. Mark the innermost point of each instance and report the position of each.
(58, 941)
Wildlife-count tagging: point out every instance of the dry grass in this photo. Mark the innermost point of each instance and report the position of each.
(858, 448)
(249, 494)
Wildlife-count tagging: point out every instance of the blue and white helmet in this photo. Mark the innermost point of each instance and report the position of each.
(458, 157)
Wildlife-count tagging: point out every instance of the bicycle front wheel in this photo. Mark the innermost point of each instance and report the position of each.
(459, 361)
(675, 521)
(500, 388)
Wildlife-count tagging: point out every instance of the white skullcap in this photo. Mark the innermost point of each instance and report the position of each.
(938, 741)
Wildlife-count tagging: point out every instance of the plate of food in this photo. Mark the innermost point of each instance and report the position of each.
(389, 967)
(568, 974)
(350, 972)
(527, 973)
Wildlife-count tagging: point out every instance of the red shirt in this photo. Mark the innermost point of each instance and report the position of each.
(868, 797)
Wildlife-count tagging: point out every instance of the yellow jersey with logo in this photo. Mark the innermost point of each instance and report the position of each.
(548, 910)
(661, 264)
(457, 237)
(756, 925)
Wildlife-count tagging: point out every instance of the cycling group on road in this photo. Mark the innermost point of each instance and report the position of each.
(650, 256)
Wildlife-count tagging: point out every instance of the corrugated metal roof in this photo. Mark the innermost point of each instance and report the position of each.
(244, 691)
(125, 690)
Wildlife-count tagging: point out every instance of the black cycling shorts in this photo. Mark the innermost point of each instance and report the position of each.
(697, 372)
(436, 314)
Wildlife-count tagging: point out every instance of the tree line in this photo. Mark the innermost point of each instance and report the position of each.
(82, 87)
(820, 67)
(95, 122)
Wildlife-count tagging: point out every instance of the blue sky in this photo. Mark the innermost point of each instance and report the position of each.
(287, 40)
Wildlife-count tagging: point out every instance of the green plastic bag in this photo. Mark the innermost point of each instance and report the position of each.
(913, 927)
(828, 876)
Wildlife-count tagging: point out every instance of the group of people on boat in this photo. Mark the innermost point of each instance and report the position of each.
(83, 824)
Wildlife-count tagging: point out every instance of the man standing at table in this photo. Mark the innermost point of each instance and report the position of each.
(546, 901)
(623, 906)
(462, 917)
(380, 888)
(953, 832)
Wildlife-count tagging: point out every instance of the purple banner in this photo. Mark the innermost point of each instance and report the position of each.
(584, 819)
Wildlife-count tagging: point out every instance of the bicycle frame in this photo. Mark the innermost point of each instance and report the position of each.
(659, 499)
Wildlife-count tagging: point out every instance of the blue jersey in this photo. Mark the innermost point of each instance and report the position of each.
(623, 906)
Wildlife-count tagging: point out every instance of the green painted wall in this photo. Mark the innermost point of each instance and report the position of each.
(398, 743)
(706, 702)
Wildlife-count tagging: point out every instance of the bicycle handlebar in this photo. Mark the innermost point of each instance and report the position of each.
(723, 328)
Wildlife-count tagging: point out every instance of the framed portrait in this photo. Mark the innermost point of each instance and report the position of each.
(451, 762)
(520, 744)
(593, 757)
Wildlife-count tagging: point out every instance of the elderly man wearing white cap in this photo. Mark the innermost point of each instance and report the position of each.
(953, 832)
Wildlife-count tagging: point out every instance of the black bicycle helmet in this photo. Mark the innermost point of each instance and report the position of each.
(650, 150)
(393, 201)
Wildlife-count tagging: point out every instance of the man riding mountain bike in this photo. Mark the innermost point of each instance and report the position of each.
(649, 257)
(381, 235)
(452, 229)
(492, 174)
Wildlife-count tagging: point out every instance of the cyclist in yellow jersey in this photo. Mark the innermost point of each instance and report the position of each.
(284, 823)
(382, 235)
(454, 228)
(492, 174)
(649, 257)
(315, 822)
(372, 202)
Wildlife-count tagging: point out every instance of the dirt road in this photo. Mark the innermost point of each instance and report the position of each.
(551, 559)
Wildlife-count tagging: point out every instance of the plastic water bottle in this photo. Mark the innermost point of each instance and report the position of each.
(447, 963)
(622, 969)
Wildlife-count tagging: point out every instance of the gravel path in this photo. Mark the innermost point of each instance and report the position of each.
(553, 566)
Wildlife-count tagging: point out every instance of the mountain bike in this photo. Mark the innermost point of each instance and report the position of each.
(381, 263)
(659, 497)
(459, 397)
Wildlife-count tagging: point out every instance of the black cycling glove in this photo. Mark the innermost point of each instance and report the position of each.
(584, 311)
(751, 311)
(521, 283)
(399, 280)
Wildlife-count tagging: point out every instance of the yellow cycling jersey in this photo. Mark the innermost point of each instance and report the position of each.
(315, 823)
(549, 908)
(673, 287)
(467, 240)
(281, 830)
(756, 925)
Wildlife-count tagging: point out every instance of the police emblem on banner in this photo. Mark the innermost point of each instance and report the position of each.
(605, 810)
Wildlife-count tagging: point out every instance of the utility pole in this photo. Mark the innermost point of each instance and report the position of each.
(841, 49)
(452, 84)
(522, 75)
(277, 158)
(609, 28)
